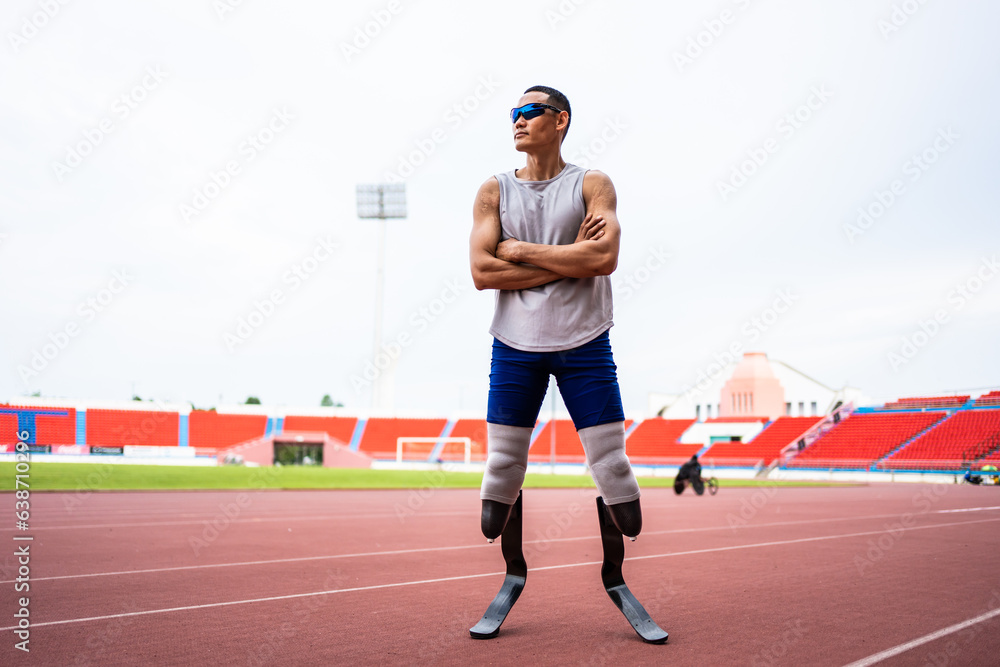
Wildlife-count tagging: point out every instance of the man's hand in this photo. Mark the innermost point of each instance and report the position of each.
(507, 250)
(591, 229)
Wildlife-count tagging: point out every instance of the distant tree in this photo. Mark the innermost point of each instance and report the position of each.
(136, 398)
(37, 394)
(253, 400)
(328, 402)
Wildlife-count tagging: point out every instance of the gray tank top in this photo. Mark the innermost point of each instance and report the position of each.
(559, 315)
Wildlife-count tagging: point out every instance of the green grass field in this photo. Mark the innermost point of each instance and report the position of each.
(103, 477)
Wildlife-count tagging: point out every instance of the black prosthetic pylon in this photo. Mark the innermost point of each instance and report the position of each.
(614, 582)
(517, 570)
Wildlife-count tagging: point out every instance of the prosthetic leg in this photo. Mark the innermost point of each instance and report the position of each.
(614, 583)
(513, 583)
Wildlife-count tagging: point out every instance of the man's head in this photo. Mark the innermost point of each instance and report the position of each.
(550, 123)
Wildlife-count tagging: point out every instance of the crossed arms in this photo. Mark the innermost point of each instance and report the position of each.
(515, 264)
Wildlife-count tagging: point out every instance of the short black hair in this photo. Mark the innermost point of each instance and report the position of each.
(556, 99)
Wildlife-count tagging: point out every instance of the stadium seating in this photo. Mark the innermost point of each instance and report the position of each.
(993, 458)
(338, 428)
(928, 403)
(655, 440)
(474, 430)
(120, 428)
(50, 429)
(766, 446)
(210, 430)
(379, 439)
(992, 398)
(863, 438)
(954, 439)
(8, 428)
(568, 448)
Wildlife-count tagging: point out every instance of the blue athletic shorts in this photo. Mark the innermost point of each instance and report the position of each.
(586, 376)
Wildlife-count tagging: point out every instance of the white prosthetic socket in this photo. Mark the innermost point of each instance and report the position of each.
(506, 462)
(605, 448)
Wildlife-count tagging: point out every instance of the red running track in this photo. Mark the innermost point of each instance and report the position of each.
(775, 576)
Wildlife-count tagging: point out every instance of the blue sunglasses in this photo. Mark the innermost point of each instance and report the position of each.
(530, 111)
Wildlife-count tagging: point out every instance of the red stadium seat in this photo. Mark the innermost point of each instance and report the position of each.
(863, 438)
(766, 446)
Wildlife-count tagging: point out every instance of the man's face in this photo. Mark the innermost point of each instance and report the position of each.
(538, 131)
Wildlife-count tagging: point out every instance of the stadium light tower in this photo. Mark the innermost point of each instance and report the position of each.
(380, 201)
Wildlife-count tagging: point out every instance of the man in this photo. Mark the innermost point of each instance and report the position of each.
(546, 237)
(689, 473)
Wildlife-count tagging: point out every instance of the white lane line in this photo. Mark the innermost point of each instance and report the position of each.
(487, 574)
(944, 632)
(969, 509)
(269, 599)
(399, 552)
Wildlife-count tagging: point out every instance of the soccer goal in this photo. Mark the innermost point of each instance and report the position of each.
(421, 449)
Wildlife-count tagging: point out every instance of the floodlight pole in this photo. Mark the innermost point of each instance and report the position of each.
(380, 213)
(379, 287)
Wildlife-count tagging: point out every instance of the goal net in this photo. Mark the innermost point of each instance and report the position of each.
(434, 449)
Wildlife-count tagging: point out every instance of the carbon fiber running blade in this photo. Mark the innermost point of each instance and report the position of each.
(614, 582)
(513, 583)
(489, 625)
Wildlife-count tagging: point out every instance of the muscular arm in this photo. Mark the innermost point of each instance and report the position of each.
(488, 271)
(595, 256)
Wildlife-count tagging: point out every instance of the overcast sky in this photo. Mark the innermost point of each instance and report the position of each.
(172, 169)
